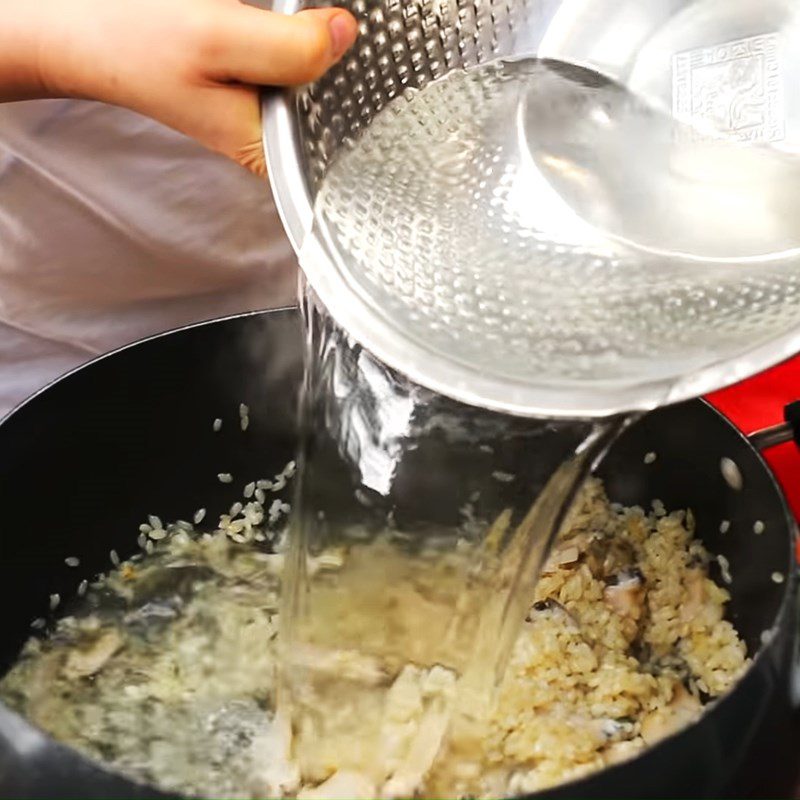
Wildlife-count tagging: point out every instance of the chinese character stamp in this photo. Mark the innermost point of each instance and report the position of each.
(734, 88)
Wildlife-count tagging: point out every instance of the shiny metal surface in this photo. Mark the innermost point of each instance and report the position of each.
(728, 65)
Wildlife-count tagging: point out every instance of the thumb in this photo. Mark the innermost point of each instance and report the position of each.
(267, 48)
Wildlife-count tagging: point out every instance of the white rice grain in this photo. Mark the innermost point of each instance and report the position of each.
(55, 599)
(777, 577)
(731, 474)
(158, 534)
(275, 511)
(82, 587)
(724, 526)
(72, 561)
(225, 477)
(38, 623)
(199, 516)
(759, 527)
(249, 490)
(217, 426)
(650, 457)
(725, 569)
(503, 477)
(112, 554)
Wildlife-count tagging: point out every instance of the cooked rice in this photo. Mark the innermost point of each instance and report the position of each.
(625, 639)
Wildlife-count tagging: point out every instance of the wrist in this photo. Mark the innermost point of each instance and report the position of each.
(65, 56)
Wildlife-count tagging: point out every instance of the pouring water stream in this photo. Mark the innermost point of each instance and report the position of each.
(521, 211)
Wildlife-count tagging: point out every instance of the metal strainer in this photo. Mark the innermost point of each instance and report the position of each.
(594, 329)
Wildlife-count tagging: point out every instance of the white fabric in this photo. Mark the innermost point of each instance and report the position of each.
(113, 228)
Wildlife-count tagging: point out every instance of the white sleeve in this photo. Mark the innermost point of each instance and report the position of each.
(113, 227)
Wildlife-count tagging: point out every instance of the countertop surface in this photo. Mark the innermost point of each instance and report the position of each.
(758, 403)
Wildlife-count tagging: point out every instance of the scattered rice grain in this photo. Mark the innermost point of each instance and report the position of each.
(82, 587)
(725, 526)
(650, 457)
(38, 623)
(225, 477)
(503, 477)
(112, 554)
(249, 490)
(158, 534)
(72, 561)
(759, 527)
(217, 426)
(778, 577)
(725, 569)
(55, 599)
(731, 474)
(199, 516)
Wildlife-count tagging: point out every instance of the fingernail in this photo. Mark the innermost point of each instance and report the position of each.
(343, 33)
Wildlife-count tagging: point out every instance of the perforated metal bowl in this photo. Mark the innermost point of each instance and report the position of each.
(732, 64)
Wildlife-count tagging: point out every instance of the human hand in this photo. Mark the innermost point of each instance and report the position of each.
(194, 65)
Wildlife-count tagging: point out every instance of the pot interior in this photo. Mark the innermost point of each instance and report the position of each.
(85, 461)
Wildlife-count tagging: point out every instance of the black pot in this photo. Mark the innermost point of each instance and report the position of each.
(85, 460)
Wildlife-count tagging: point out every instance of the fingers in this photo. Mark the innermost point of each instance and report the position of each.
(263, 47)
(229, 122)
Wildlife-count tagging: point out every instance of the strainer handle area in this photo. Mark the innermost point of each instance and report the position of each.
(786, 431)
